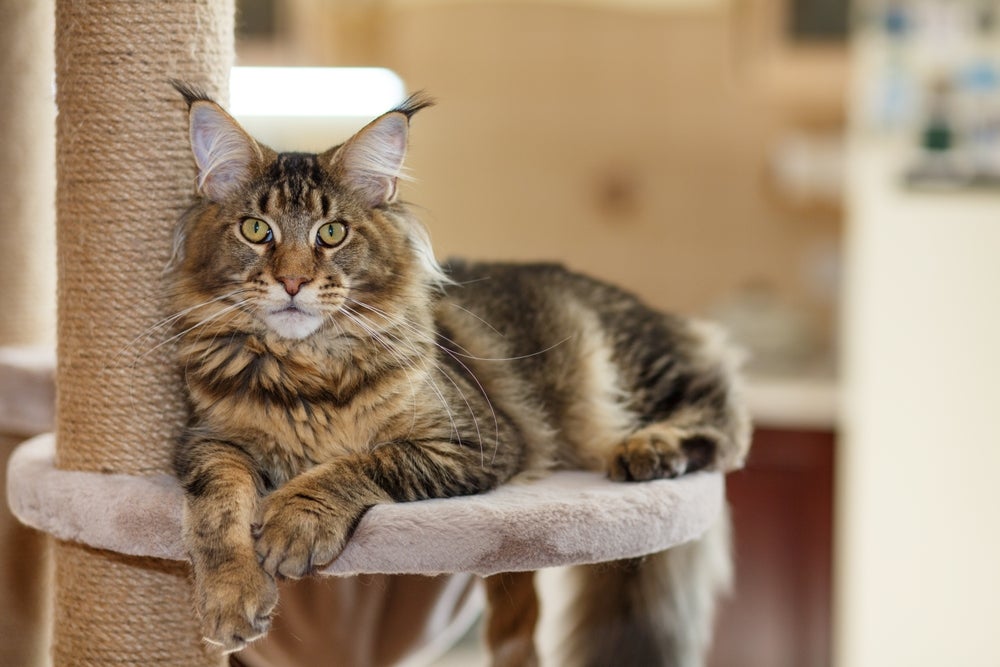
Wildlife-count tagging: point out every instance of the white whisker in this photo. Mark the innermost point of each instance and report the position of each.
(466, 310)
(407, 325)
(150, 331)
(355, 317)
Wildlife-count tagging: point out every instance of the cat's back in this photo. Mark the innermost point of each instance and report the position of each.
(542, 335)
(536, 305)
(532, 292)
(594, 355)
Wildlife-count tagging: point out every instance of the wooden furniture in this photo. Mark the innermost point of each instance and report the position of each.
(782, 507)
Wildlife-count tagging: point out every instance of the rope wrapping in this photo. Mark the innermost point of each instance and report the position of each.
(124, 177)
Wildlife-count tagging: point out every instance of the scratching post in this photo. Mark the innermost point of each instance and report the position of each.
(124, 177)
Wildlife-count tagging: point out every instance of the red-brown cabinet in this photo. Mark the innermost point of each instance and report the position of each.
(782, 505)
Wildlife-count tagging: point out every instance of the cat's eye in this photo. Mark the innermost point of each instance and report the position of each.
(255, 230)
(331, 234)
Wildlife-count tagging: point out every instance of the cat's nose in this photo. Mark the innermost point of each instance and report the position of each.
(293, 283)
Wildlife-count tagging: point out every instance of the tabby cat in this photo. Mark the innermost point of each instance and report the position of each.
(332, 364)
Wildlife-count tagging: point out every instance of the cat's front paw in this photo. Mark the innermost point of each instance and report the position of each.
(236, 602)
(298, 532)
(659, 451)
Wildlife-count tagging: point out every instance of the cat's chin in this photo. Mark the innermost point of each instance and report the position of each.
(293, 323)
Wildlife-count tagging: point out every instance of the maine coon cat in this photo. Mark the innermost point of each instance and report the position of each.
(332, 365)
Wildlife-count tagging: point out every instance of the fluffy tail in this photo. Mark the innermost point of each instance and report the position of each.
(656, 611)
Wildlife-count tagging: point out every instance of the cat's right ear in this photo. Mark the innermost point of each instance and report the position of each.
(225, 154)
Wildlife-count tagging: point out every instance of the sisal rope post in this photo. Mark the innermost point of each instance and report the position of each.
(27, 300)
(124, 177)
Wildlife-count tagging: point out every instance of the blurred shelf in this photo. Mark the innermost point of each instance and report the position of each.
(799, 402)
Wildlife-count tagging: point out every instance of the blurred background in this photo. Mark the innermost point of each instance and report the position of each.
(822, 179)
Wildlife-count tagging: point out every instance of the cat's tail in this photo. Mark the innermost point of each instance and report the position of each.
(656, 611)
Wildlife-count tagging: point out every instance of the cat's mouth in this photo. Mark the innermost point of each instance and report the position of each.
(293, 321)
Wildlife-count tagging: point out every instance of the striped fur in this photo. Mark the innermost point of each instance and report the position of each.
(325, 380)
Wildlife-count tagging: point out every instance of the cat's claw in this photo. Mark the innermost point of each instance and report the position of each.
(236, 607)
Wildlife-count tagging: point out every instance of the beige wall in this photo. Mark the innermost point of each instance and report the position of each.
(27, 294)
(27, 162)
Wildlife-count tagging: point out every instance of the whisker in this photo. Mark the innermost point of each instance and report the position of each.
(461, 393)
(131, 348)
(150, 331)
(200, 323)
(428, 335)
(410, 365)
(466, 310)
(465, 399)
(207, 320)
(356, 317)
(466, 354)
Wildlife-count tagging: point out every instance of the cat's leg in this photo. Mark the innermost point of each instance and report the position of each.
(234, 595)
(705, 427)
(307, 522)
(511, 616)
(659, 610)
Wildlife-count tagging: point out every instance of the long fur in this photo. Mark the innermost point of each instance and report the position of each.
(325, 379)
(657, 610)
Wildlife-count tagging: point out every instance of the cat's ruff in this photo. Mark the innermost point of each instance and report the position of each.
(567, 518)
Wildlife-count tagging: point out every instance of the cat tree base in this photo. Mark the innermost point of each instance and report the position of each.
(566, 518)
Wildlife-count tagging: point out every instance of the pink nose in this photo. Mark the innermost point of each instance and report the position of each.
(293, 283)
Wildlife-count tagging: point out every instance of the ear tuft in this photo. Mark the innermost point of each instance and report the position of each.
(190, 92)
(369, 163)
(224, 152)
(414, 103)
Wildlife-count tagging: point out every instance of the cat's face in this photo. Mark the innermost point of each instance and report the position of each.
(290, 243)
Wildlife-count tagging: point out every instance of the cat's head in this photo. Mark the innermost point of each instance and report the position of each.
(284, 244)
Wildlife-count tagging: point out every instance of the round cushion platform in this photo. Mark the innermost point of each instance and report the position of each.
(563, 519)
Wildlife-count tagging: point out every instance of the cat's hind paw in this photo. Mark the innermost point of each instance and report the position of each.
(659, 451)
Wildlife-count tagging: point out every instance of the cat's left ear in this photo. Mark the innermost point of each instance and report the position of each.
(370, 162)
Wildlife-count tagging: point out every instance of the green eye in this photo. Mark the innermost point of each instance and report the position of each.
(256, 231)
(331, 234)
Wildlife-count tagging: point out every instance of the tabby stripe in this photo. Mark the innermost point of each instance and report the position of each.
(198, 463)
(668, 403)
(262, 202)
(407, 471)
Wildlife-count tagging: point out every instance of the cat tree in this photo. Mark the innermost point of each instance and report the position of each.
(101, 485)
